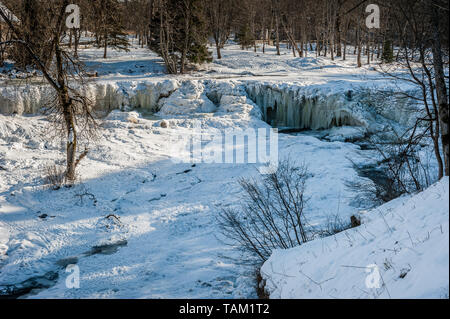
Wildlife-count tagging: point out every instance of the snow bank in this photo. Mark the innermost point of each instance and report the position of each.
(25, 135)
(130, 117)
(189, 98)
(400, 251)
(4, 238)
(345, 134)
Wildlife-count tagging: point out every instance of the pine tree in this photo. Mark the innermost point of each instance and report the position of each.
(196, 50)
(245, 37)
(179, 33)
(388, 52)
(34, 27)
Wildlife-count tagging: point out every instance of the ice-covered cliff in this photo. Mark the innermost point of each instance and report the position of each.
(324, 107)
(105, 96)
(279, 104)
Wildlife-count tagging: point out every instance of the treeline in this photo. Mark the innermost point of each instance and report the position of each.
(179, 30)
(321, 27)
(412, 33)
(101, 19)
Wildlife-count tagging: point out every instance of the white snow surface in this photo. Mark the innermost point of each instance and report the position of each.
(166, 216)
(158, 215)
(407, 239)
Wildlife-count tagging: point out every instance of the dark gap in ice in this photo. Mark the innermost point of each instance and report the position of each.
(15, 291)
(106, 249)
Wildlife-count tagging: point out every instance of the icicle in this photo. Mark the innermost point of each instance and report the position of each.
(296, 109)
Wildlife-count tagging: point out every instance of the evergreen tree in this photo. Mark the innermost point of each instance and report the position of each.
(245, 37)
(388, 52)
(179, 33)
(34, 19)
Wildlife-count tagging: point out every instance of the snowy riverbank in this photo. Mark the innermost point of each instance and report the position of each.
(400, 251)
(139, 225)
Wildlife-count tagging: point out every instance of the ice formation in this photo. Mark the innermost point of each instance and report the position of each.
(189, 98)
(296, 107)
(22, 99)
(106, 96)
(280, 105)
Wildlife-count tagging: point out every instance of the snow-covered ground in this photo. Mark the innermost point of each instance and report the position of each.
(400, 251)
(166, 210)
(138, 224)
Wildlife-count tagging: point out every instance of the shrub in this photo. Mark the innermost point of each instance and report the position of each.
(54, 176)
(271, 215)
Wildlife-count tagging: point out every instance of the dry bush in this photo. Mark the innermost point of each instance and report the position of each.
(335, 224)
(271, 215)
(54, 176)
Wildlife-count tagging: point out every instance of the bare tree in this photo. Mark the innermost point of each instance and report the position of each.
(71, 110)
(441, 84)
(276, 17)
(110, 30)
(421, 54)
(400, 170)
(220, 19)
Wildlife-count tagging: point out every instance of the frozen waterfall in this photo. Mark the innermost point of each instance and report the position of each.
(105, 96)
(281, 105)
(293, 107)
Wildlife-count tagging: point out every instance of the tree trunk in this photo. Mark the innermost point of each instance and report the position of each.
(338, 37)
(358, 41)
(77, 41)
(70, 38)
(332, 45)
(71, 134)
(359, 56)
(292, 42)
(2, 59)
(66, 103)
(277, 35)
(344, 56)
(378, 49)
(187, 31)
(264, 45)
(219, 54)
(441, 89)
(106, 46)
